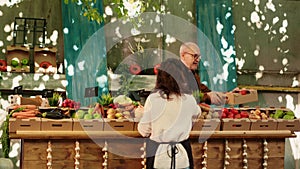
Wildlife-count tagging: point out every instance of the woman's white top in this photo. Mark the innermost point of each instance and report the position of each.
(168, 121)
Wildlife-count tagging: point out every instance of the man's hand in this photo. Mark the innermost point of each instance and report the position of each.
(217, 98)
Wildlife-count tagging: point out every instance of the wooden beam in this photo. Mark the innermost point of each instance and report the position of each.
(272, 88)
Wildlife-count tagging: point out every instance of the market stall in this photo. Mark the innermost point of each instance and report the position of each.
(112, 141)
(219, 149)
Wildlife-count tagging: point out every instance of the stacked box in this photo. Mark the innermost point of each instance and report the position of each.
(19, 53)
(118, 125)
(238, 98)
(56, 124)
(293, 125)
(206, 125)
(258, 124)
(236, 124)
(30, 124)
(88, 125)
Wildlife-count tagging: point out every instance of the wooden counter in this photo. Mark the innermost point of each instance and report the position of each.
(124, 149)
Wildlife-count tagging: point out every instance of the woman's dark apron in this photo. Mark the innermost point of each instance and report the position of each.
(151, 148)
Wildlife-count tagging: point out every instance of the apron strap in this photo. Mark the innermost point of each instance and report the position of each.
(151, 148)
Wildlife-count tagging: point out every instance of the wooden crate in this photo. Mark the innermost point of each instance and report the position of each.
(118, 125)
(31, 124)
(45, 54)
(56, 124)
(20, 53)
(258, 124)
(293, 125)
(88, 125)
(237, 98)
(235, 124)
(206, 125)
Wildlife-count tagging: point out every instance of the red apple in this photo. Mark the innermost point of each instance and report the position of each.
(224, 115)
(225, 110)
(237, 116)
(244, 114)
(243, 92)
(230, 115)
(234, 111)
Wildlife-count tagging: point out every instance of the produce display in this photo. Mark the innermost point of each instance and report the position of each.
(251, 113)
(123, 109)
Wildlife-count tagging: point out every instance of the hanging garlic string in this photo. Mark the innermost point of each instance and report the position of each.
(105, 156)
(77, 155)
(265, 158)
(143, 156)
(226, 155)
(204, 156)
(245, 155)
(49, 156)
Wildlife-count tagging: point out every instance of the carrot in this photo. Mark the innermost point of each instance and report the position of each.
(25, 110)
(24, 117)
(30, 114)
(15, 107)
(29, 106)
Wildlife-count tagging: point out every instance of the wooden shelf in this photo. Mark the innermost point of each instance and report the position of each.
(272, 88)
(126, 134)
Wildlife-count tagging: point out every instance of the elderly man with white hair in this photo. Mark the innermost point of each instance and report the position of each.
(190, 56)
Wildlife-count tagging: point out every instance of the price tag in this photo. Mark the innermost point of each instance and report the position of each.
(18, 90)
(47, 93)
(91, 92)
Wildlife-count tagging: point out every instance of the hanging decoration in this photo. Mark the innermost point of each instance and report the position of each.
(49, 155)
(143, 156)
(204, 156)
(245, 160)
(77, 155)
(226, 155)
(265, 156)
(105, 156)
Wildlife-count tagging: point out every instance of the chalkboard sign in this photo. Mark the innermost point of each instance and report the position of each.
(18, 90)
(91, 92)
(47, 93)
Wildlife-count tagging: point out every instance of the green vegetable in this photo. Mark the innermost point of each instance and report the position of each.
(88, 116)
(288, 117)
(24, 61)
(14, 63)
(54, 114)
(5, 141)
(54, 100)
(291, 113)
(278, 114)
(105, 99)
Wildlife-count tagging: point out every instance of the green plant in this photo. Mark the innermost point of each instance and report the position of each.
(5, 140)
(126, 9)
(105, 99)
(54, 100)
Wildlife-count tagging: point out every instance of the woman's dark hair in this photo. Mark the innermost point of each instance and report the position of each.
(171, 78)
